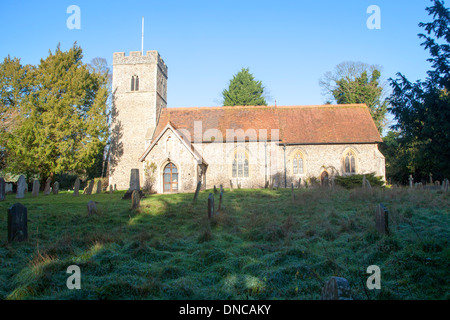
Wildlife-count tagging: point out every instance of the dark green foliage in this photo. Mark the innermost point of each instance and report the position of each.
(62, 116)
(244, 90)
(422, 109)
(357, 83)
(355, 181)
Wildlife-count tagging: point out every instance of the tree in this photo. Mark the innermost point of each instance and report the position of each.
(357, 82)
(422, 109)
(63, 119)
(14, 86)
(244, 90)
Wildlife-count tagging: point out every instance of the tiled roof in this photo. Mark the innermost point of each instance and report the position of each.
(320, 124)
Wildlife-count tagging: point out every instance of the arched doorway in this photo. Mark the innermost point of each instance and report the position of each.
(170, 178)
(324, 178)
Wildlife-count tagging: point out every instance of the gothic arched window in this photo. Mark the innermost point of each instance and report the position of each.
(240, 165)
(349, 162)
(298, 163)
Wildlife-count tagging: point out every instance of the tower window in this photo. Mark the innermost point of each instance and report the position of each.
(134, 83)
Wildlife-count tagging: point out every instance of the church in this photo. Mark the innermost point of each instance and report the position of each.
(242, 146)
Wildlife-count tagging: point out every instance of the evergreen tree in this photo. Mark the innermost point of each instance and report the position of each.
(422, 109)
(357, 82)
(64, 118)
(244, 90)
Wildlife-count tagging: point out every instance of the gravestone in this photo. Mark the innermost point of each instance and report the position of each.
(231, 185)
(431, 178)
(411, 180)
(381, 219)
(266, 185)
(47, 186)
(210, 206)
(2, 189)
(299, 183)
(197, 190)
(92, 208)
(292, 192)
(55, 189)
(215, 190)
(17, 223)
(437, 183)
(36, 186)
(21, 187)
(135, 199)
(76, 188)
(220, 201)
(115, 187)
(134, 184)
(221, 188)
(444, 187)
(336, 288)
(99, 186)
(90, 187)
(110, 188)
(8, 187)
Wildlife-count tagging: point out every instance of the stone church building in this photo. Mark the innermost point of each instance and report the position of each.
(249, 146)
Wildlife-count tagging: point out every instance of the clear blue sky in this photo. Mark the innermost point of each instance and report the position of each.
(288, 45)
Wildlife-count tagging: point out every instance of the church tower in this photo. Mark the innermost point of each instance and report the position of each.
(139, 88)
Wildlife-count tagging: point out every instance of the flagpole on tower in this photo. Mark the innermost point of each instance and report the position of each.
(142, 46)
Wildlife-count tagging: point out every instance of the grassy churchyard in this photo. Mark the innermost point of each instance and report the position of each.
(262, 245)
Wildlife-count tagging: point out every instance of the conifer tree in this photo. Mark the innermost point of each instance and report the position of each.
(244, 90)
(63, 119)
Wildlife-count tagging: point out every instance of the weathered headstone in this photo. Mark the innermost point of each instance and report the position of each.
(231, 185)
(99, 186)
(92, 208)
(215, 190)
(76, 187)
(210, 206)
(110, 188)
(90, 187)
(55, 189)
(266, 185)
(135, 199)
(134, 184)
(47, 186)
(336, 288)
(437, 183)
(36, 186)
(444, 187)
(21, 187)
(220, 201)
(381, 219)
(17, 223)
(411, 180)
(431, 178)
(8, 187)
(197, 190)
(299, 183)
(115, 187)
(2, 189)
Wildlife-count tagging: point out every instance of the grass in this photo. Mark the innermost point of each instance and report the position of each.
(262, 245)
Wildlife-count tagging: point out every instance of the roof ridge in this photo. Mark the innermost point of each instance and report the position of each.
(267, 107)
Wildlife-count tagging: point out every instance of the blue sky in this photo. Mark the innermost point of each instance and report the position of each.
(288, 45)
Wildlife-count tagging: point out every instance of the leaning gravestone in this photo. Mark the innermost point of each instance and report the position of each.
(381, 219)
(197, 190)
(55, 189)
(17, 223)
(90, 187)
(2, 189)
(210, 206)
(76, 188)
(36, 187)
(99, 186)
(135, 199)
(21, 184)
(47, 186)
(91, 208)
(336, 288)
